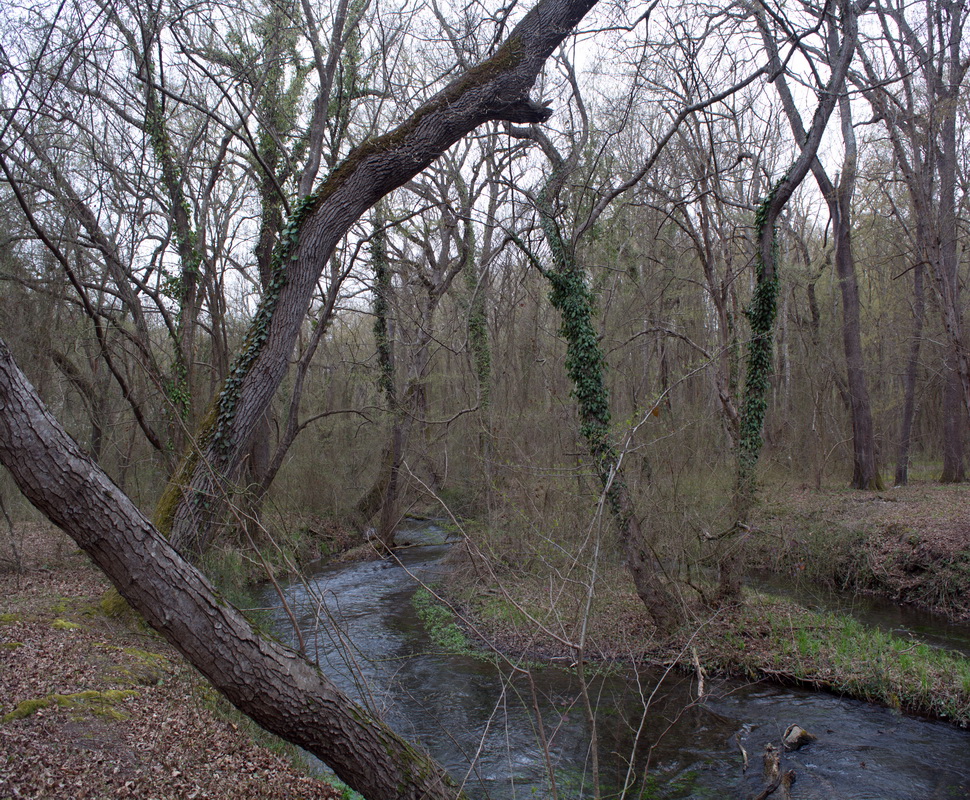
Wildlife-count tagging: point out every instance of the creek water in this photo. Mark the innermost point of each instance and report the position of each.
(479, 720)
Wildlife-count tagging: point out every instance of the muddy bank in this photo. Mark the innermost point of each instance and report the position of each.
(911, 544)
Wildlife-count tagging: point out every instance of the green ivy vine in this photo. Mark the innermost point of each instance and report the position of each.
(382, 307)
(761, 316)
(585, 363)
(176, 286)
(220, 435)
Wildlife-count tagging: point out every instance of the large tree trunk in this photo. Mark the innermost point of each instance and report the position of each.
(865, 470)
(496, 89)
(956, 392)
(270, 683)
(909, 381)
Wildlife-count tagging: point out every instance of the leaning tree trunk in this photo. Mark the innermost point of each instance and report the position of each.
(268, 682)
(496, 89)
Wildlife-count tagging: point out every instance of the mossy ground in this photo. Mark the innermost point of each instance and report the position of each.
(99, 706)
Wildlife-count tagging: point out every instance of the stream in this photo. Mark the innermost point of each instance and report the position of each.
(478, 720)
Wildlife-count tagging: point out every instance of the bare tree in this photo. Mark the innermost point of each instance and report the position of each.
(838, 195)
(277, 687)
(914, 81)
(763, 308)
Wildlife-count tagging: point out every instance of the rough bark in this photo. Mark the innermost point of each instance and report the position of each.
(272, 684)
(496, 89)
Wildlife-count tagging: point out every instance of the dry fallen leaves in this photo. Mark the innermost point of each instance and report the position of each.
(173, 739)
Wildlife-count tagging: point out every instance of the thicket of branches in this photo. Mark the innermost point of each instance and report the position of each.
(713, 243)
(152, 154)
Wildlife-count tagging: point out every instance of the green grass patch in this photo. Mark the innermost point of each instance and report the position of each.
(146, 669)
(439, 622)
(840, 654)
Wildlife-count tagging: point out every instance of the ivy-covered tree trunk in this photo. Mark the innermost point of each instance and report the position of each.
(496, 89)
(184, 285)
(763, 307)
(277, 105)
(585, 365)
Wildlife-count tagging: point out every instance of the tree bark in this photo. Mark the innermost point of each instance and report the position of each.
(496, 89)
(268, 682)
(838, 196)
(909, 382)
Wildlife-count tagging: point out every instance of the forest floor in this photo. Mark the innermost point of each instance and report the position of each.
(94, 705)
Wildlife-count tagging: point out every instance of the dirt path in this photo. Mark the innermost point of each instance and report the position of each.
(96, 706)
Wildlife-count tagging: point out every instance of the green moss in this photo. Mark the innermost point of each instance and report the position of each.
(148, 669)
(61, 624)
(101, 704)
(26, 708)
(11, 645)
(73, 606)
(113, 605)
(9, 618)
(164, 514)
(62, 606)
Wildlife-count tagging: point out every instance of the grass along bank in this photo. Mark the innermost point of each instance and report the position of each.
(769, 638)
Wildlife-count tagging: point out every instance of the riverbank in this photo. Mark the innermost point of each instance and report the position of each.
(769, 638)
(909, 544)
(94, 705)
